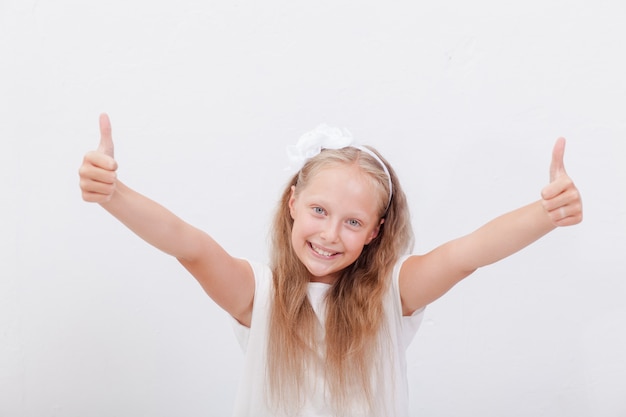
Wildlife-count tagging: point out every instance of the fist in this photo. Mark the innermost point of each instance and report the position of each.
(98, 170)
(561, 198)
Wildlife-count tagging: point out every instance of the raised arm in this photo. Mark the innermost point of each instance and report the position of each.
(425, 278)
(227, 280)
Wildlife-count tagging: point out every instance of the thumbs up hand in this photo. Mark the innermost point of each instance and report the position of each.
(98, 170)
(561, 198)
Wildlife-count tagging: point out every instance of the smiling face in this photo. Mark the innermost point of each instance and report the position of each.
(334, 216)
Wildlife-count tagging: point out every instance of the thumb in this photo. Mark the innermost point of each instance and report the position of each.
(557, 168)
(106, 140)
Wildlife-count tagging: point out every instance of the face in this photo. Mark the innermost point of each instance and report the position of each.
(335, 216)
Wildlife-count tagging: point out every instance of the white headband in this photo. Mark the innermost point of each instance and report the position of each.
(327, 137)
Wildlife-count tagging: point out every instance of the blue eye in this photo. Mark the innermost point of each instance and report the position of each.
(354, 223)
(319, 210)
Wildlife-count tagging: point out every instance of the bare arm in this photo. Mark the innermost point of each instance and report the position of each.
(425, 278)
(228, 280)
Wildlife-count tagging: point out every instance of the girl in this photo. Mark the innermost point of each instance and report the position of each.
(325, 325)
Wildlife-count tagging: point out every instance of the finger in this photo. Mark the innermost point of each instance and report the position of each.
(106, 139)
(568, 197)
(566, 215)
(557, 168)
(96, 184)
(557, 187)
(94, 173)
(92, 197)
(100, 160)
(95, 187)
(558, 216)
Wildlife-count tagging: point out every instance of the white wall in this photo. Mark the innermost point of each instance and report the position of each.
(464, 98)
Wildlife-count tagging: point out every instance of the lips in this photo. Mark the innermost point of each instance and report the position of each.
(322, 252)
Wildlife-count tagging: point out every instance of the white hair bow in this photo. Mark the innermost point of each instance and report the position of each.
(312, 143)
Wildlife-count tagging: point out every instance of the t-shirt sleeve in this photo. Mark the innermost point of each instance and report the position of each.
(410, 324)
(262, 276)
(241, 333)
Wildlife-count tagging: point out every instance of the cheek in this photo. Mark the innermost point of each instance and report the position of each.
(299, 232)
(304, 226)
(356, 242)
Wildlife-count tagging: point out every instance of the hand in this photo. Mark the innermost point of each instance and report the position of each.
(561, 198)
(97, 173)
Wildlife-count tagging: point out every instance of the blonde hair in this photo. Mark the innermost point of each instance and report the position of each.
(354, 303)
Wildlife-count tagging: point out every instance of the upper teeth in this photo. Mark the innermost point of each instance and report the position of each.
(321, 252)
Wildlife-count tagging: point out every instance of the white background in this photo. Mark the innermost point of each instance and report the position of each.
(464, 98)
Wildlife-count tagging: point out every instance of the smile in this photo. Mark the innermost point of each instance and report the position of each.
(321, 251)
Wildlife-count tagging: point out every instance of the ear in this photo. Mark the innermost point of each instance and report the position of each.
(292, 200)
(375, 232)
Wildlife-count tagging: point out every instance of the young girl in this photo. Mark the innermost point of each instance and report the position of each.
(325, 326)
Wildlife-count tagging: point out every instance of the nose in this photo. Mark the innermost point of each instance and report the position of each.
(330, 231)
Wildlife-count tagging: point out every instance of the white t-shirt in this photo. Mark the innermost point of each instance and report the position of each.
(392, 389)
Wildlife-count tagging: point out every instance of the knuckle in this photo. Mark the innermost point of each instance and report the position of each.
(549, 205)
(88, 197)
(89, 157)
(555, 217)
(82, 171)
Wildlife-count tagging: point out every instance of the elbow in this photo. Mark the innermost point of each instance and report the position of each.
(467, 272)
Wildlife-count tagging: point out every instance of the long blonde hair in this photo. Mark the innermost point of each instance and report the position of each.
(354, 303)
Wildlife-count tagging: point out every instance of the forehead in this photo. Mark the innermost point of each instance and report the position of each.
(346, 186)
